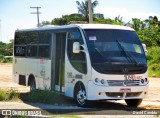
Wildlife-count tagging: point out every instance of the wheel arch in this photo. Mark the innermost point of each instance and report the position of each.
(78, 83)
(31, 78)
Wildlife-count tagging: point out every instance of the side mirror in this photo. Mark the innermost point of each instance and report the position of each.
(76, 47)
(144, 47)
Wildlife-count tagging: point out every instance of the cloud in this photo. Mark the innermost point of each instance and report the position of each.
(126, 14)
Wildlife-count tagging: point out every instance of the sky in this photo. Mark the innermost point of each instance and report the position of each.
(16, 14)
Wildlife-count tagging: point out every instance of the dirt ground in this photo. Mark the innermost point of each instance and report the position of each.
(152, 101)
(6, 81)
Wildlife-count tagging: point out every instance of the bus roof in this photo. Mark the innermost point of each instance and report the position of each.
(83, 26)
(103, 26)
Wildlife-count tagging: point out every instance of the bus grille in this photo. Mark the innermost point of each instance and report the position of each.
(120, 95)
(123, 82)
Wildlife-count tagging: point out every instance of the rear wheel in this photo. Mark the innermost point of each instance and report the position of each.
(80, 96)
(32, 85)
(133, 102)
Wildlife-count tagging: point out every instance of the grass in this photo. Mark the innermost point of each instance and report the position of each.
(42, 96)
(154, 72)
(36, 96)
(9, 95)
(5, 60)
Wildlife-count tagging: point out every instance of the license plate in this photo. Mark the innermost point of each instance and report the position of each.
(125, 90)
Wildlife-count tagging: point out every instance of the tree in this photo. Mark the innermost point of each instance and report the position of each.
(150, 33)
(9, 48)
(152, 21)
(73, 18)
(83, 8)
(136, 24)
(44, 23)
(59, 21)
(6, 49)
(119, 19)
(106, 21)
(68, 19)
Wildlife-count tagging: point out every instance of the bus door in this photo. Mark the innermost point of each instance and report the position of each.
(76, 63)
(60, 61)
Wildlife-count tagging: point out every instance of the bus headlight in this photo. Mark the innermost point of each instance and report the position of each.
(96, 80)
(102, 81)
(142, 81)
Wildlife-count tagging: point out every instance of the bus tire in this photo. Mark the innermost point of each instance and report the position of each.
(32, 84)
(133, 102)
(80, 95)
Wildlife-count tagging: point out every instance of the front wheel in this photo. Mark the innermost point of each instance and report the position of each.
(133, 102)
(80, 97)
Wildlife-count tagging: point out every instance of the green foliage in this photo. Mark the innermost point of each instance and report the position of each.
(154, 61)
(35, 96)
(43, 96)
(68, 19)
(107, 21)
(83, 8)
(153, 55)
(44, 23)
(150, 35)
(154, 70)
(59, 21)
(2, 50)
(6, 50)
(8, 95)
(73, 17)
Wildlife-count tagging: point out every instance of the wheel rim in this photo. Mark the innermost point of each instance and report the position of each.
(81, 97)
(32, 86)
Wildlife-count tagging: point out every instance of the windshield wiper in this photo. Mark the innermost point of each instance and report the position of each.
(131, 58)
(100, 53)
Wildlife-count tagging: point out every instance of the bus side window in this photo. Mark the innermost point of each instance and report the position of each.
(33, 38)
(78, 61)
(32, 44)
(44, 44)
(20, 44)
(20, 38)
(32, 51)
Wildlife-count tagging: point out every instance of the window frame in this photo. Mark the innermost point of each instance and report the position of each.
(85, 56)
(45, 44)
(27, 45)
(20, 45)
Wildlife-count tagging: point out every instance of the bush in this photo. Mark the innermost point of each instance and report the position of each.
(155, 67)
(8, 95)
(43, 96)
(153, 55)
(153, 58)
(3, 96)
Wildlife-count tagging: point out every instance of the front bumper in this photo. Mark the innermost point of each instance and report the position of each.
(97, 92)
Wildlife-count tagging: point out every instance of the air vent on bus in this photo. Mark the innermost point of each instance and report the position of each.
(123, 82)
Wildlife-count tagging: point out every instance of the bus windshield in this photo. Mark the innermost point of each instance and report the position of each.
(115, 47)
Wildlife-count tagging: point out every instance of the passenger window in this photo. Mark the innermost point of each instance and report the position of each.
(20, 50)
(32, 44)
(44, 51)
(20, 38)
(33, 38)
(20, 44)
(78, 61)
(32, 51)
(44, 37)
(44, 44)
